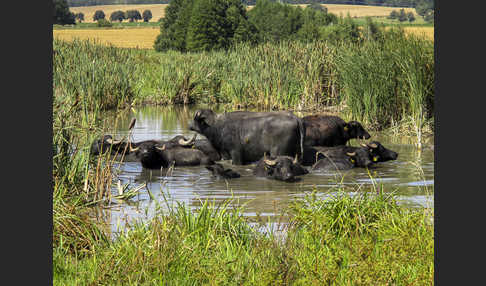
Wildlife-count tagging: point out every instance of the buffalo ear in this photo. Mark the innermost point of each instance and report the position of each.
(346, 127)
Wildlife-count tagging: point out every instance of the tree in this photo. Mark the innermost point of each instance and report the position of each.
(133, 15)
(99, 14)
(61, 13)
(410, 16)
(402, 16)
(147, 15)
(318, 6)
(429, 17)
(117, 16)
(79, 16)
(393, 15)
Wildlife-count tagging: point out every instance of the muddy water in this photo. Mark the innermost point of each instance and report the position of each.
(411, 176)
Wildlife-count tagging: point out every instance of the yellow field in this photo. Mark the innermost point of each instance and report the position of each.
(142, 38)
(427, 32)
(158, 10)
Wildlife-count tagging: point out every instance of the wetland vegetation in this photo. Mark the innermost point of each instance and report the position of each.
(386, 81)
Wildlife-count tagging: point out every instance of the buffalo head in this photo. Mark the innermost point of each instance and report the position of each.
(203, 118)
(379, 153)
(354, 129)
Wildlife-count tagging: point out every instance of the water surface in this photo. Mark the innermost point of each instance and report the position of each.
(411, 176)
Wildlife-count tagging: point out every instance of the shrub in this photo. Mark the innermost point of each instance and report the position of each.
(104, 23)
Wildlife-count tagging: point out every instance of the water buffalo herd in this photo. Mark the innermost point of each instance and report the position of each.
(282, 145)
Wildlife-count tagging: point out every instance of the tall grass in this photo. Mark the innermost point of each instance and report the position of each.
(100, 77)
(380, 82)
(389, 80)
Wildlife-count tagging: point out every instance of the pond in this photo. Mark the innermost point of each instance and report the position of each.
(411, 176)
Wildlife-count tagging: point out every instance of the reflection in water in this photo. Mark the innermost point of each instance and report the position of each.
(411, 176)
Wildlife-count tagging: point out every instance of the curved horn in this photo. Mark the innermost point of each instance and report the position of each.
(161, 148)
(295, 159)
(373, 145)
(188, 142)
(132, 123)
(133, 149)
(112, 142)
(363, 145)
(270, 162)
(351, 154)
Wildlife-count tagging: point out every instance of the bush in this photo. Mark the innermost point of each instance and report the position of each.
(104, 23)
(99, 14)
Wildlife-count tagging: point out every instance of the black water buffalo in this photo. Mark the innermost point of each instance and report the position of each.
(339, 159)
(330, 130)
(379, 153)
(347, 156)
(107, 143)
(245, 136)
(207, 148)
(282, 168)
(219, 171)
(154, 157)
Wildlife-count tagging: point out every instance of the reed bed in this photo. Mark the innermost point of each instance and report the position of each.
(380, 82)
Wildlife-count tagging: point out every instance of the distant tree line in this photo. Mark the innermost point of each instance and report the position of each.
(391, 3)
(203, 25)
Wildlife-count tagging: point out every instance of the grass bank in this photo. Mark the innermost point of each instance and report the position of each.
(362, 239)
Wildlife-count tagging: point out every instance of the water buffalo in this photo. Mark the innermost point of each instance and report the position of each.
(245, 136)
(107, 143)
(379, 153)
(154, 157)
(282, 168)
(339, 159)
(219, 171)
(342, 155)
(330, 130)
(205, 146)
